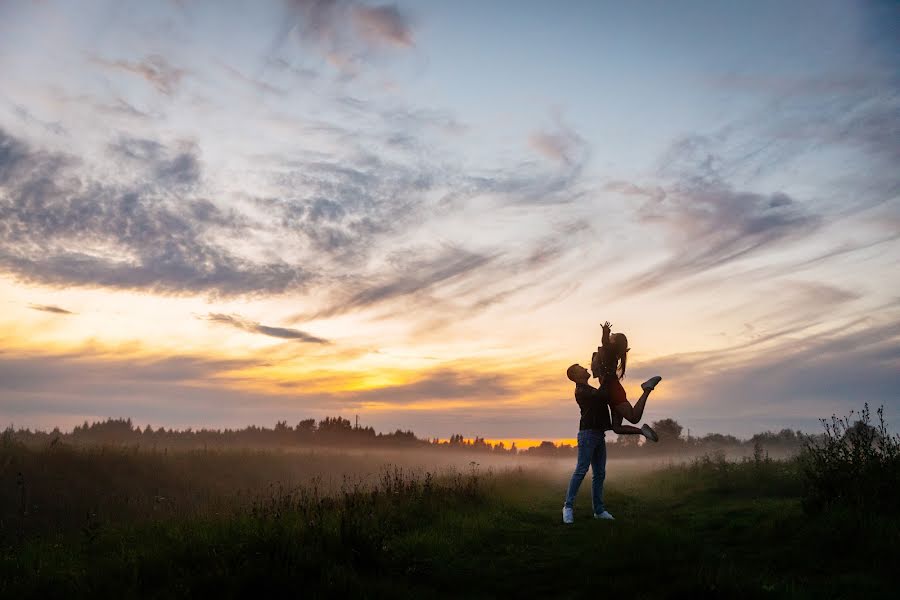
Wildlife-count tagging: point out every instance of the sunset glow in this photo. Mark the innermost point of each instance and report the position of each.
(421, 213)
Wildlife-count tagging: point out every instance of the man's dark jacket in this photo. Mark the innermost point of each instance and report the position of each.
(594, 407)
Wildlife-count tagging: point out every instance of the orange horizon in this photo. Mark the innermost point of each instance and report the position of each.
(521, 443)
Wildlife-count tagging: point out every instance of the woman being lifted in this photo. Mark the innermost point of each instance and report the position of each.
(608, 365)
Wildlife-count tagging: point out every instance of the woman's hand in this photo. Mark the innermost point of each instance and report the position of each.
(607, 326)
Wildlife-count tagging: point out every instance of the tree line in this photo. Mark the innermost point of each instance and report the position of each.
(338, 431)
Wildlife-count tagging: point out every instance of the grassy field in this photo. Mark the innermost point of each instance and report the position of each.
(96, 523)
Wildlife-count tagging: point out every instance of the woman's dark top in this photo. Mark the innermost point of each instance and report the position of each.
(603, 363)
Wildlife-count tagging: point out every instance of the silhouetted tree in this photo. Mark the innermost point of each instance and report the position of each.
(335, 425)
(306, 428)
(669, 430)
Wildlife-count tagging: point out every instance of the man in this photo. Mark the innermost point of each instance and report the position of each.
(592, 428)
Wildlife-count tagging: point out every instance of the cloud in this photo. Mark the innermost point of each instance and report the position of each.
(285, 333)
(50, 309)
(69, 387)
(626, 188)
(342, 208)
(856, 122)
(119, 107)
(709, 224)
(348, 34)
(150, 228)
(255, 83)
(166, 168)
(188, 390)
(154, 69)
(383, 24)
(863, 121)
(60, 227)
(562, 145)
(53, 127)
(446, 385)
(413, 273)
(800, 374)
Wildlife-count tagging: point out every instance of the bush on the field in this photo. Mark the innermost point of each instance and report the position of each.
(853, 465)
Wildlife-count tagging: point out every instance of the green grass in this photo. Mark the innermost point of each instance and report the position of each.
(710, 529)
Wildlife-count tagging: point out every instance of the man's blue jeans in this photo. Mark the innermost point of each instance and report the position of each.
(591, 453)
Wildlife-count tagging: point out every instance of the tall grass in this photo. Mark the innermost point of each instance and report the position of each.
(64, 488)
(324, 540)
(715, 475)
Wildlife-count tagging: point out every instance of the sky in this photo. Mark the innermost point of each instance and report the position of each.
(216, 214)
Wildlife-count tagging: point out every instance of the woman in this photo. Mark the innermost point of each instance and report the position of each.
(608, 365)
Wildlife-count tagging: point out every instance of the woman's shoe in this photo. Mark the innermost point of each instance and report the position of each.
(650, 383)
(649, 433)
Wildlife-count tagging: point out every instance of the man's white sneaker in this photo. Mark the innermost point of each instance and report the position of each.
(649, 433)
(651, 383)
(605, 516)
(568, 515)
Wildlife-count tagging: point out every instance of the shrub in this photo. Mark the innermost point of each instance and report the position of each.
(853, 465)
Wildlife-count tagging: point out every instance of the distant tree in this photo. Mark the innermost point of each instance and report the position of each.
(306, 427)
(669, 430)
(479, 444)
(400, 436)
(544, 449)
(717, 439)
(335, 425)
(862, 434)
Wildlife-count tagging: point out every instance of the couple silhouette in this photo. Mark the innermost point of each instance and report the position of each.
(603, 408)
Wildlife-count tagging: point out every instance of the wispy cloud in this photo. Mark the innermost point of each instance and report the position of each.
(647, 192)
(412, 274)
(50, 309)
(803, 372)
(257, 84)
(383, 24)
(445, 385)
(154, 69)
(55, 128)
(285, 333)
(560, 144)
(166, 167)
(709, 225)
(348, 34)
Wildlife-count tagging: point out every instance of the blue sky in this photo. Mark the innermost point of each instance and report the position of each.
(233, 213)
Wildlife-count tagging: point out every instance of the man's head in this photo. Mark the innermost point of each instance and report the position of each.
(578, 374)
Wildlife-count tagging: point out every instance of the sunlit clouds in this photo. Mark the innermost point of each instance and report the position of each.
(221, 215)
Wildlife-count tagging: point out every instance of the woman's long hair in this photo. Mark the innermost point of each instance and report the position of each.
(620, 346)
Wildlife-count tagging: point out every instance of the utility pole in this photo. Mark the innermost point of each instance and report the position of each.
(357, 422)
